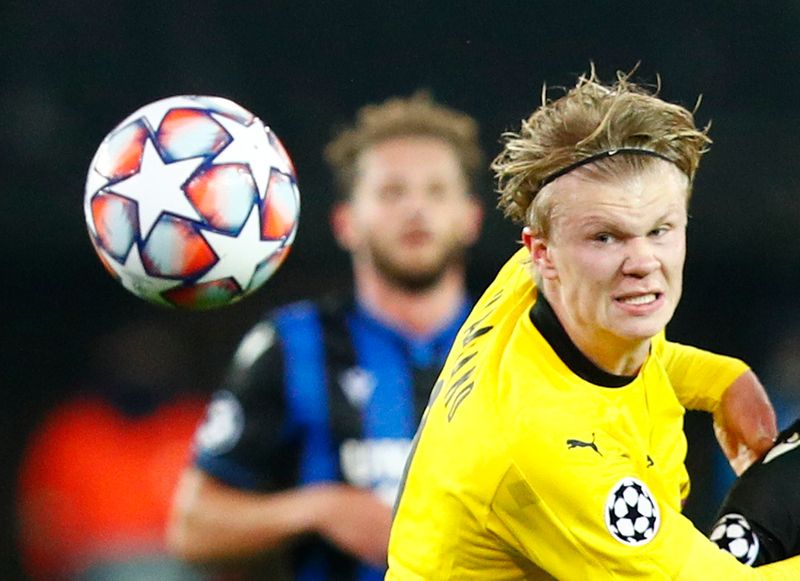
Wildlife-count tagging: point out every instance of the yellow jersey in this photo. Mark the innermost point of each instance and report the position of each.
(524, 468)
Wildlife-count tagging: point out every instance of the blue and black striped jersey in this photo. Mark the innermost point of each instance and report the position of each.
(322, 391)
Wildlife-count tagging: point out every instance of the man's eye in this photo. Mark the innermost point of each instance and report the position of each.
(437, 191)
(604, 238)
(658, 232)
(391, 192)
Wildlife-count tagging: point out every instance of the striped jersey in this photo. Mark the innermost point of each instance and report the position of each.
(318, 392)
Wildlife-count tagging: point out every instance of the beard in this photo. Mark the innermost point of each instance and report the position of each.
(417, 278)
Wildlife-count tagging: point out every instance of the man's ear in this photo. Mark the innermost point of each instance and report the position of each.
(541, 253)
(341, 220)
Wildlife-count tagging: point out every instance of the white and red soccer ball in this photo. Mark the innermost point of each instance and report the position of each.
(192, 202)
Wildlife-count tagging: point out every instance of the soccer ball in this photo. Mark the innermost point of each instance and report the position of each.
(192, 202)
(631, 513)
(733, 534)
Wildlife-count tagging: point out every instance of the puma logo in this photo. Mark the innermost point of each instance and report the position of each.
(573, 443)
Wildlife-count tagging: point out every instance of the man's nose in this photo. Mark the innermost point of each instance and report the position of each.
(640, 258)
(416, 199)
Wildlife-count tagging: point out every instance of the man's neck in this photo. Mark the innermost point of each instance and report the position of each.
(418, 312)
(608, 353)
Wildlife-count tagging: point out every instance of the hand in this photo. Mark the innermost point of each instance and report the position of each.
(354, 519)
(744, 422)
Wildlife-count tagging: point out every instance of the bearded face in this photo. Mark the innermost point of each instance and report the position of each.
(410, 217)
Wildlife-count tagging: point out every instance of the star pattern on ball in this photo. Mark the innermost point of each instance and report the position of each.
(236, 253)
(135, 278)
(172, 209)
(157, 188)
(247, 139)
(95, 181)
(155, 112)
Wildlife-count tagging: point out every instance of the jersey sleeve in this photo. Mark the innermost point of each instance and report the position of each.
(699, 377)
(759, 521)
(245, 439)
(605, 517)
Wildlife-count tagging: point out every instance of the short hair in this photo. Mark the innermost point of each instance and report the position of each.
(417, 115)
(589, 119)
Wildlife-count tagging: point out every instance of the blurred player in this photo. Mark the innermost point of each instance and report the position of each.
(97, 478)
(553, 445)
(306, 442)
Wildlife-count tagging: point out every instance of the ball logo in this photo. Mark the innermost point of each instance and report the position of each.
(631, 513)
(223, 425)
(733, 534)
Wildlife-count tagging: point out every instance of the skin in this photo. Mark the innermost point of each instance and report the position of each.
(612, 270)
(745, 423)
(612, 266)
(406, 225)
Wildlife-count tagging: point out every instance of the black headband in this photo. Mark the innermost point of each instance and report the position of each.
(602, 155)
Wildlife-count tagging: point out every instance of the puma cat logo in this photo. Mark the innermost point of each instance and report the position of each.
(573, 443)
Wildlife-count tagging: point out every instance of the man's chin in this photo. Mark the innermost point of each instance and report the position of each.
(417, 271)
(411, 276)
(642, 332)
(413, 280)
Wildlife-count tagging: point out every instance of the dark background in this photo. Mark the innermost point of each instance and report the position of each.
(72, 70)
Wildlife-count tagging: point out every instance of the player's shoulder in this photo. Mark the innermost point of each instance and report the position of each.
(267, 335)
(295, 311)
(333, 304)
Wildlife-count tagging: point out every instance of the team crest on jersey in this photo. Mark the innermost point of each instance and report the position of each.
(357, 385)
(223, 425)
(631, 513)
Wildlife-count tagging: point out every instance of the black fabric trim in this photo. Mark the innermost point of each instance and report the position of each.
(423, 379)
(345, 420)
(544, 319)
(340, 355)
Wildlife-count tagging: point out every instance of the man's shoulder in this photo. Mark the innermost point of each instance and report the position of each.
(310, 309)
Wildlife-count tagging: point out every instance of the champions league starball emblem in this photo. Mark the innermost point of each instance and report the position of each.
(733, 534)
(631, 513)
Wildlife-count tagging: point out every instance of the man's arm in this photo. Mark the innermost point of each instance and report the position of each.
(759, 519)
(212, 521)
(622, 529)
(699, 377)
(744, 421)
(235, 502)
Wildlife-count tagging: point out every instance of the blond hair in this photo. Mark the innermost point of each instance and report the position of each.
(592, 118)
(417, 115)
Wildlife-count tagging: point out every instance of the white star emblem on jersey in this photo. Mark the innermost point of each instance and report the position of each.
(156, 188)
(235, 252)
(134, 277)
(250, 144)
